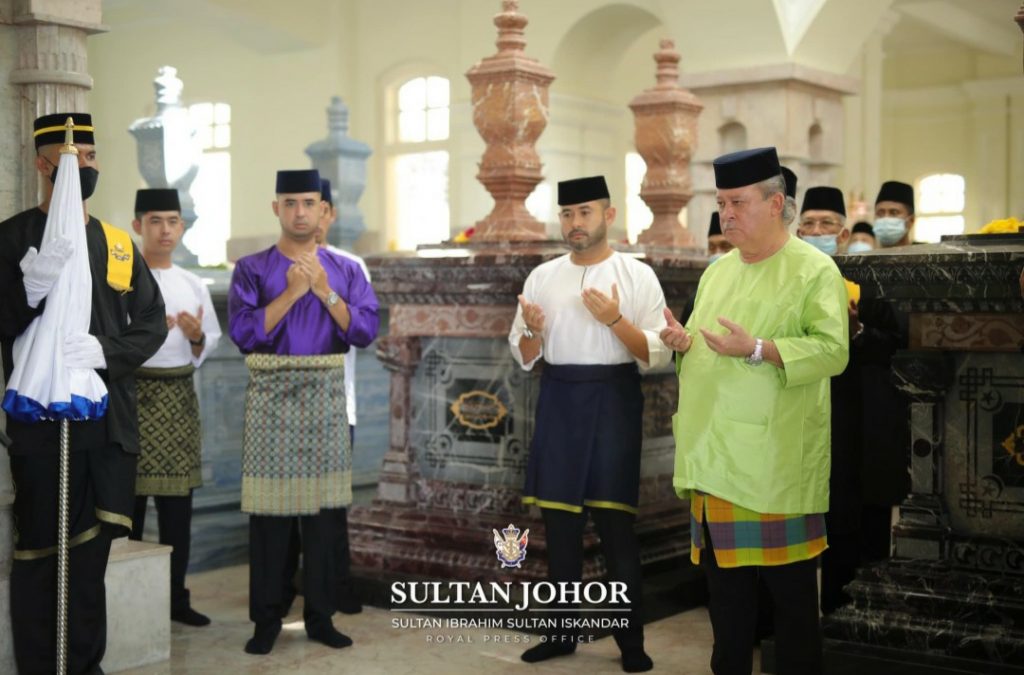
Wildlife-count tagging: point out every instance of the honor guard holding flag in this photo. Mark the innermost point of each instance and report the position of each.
(79, 313)
(169, 464)
(295, 309)
(593, 315)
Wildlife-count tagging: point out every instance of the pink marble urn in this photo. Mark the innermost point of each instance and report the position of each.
(510, 110)
(666, 136)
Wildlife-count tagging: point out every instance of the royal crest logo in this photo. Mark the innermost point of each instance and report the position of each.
(510, 547)
(118, 253)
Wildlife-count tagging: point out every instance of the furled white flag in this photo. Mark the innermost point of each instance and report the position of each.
(41, 387)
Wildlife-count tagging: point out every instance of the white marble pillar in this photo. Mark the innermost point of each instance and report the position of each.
(42, 70)
(50, 71)
(797, 109)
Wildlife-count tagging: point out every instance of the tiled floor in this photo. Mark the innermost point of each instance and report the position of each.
(680, 644)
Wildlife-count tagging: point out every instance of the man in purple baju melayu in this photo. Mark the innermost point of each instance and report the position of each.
(295, 309)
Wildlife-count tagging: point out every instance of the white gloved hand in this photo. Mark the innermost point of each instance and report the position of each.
(82, 350)
(41, 270)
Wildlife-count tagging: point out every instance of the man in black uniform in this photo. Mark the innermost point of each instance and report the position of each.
(127, 327)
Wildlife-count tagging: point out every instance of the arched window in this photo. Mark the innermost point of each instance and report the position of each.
(732, 137)
(418, 162)
(940, 207)
(211, 189)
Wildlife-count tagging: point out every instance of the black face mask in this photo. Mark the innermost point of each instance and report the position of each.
(88, 177)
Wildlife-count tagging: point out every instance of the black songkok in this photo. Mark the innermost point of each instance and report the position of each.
(865, 228)
(716, 225)
(746, 167)
(325, 191)
(294, 182)
(582, 190)
(790, 181)
(824, 198)
(49, 129)
(894, 191)
(158, 199)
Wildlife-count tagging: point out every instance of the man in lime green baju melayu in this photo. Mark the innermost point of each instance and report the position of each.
(752, 427)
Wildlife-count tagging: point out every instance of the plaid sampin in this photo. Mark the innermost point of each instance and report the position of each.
(742, 537)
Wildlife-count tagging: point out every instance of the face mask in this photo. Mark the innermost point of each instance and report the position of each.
(859, 247)
(88, 177)
(826, 243)
(713, 257)
(889, 231)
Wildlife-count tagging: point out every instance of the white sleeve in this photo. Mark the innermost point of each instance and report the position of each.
(650, 319)
(211, 327)
(518, 326)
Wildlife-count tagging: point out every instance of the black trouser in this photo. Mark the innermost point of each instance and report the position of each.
(564, 534)
(733, 610)
(268, 555)
(101, 481)
(838, 566)
(174, 521)
(34, 609)
(876, 532)
(342, 561)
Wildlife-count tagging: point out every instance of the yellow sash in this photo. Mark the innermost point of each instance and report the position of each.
(119, 258)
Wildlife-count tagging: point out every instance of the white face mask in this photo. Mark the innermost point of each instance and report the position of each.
(889, 231)
(826, 243)
(859, 247)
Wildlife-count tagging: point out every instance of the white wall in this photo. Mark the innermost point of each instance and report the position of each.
(278, 64)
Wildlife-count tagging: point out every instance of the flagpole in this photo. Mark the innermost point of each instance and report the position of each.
(62, 549)
(64, 497)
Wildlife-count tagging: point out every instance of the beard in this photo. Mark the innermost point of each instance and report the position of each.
(589, 239)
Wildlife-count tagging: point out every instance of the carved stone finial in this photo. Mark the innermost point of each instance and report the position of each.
(337, 117)
(168, 86)
(667, 59)
(510, 23)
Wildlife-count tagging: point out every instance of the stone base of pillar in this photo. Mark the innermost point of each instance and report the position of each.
(138, 605)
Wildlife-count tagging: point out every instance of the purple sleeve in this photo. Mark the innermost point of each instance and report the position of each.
(245, 316)
(363, 308)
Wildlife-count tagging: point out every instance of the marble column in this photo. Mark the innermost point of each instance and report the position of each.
(342, 160)
(793, 107)
(167, 154)
(510, 110)
(666, 136)
(43, 69)
(50, 73)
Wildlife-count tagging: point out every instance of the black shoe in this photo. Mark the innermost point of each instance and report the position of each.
(548, 650)
(189, 617)
(636, 661)
(348, 601)
(262, 640)
(329, 636)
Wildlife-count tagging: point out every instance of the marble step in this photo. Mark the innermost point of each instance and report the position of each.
(936, 609)
(939, 589)
(138, 605)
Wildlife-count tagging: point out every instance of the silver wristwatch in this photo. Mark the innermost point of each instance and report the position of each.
(332, 299)
(757, 357)
(529, 334)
